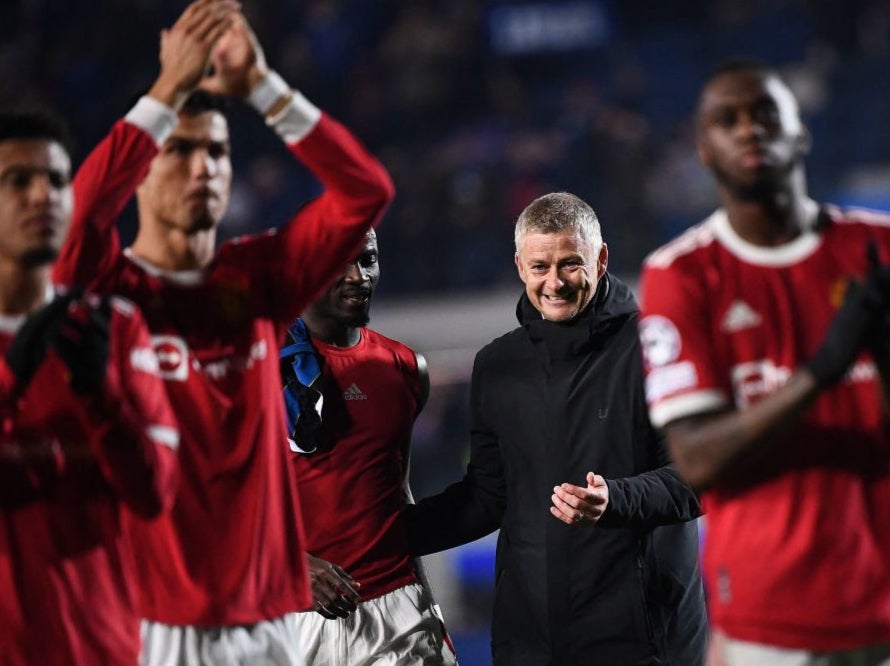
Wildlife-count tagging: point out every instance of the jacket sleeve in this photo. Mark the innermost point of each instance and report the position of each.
(103, 185)
(655, 497)
(472, 507)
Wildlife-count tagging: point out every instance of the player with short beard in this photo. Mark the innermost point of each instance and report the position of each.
(220, 576)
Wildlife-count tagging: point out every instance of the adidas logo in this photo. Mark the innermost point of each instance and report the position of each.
(354, 393)
(740, 316)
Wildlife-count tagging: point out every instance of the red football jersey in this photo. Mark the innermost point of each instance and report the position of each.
(231, 550)
(66, 569)
(352, 488)
(800, 557)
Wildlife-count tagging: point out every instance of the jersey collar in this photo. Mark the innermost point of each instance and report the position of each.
(781, 255)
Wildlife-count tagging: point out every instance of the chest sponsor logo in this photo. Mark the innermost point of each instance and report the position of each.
(353, 392)
(173, 357)
(224, 367)
(739, 316)
(757, 379)
(754, 380)
(660, 340)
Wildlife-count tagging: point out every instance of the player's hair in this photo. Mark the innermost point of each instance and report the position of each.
(558, 212)
(736, 65)
(741, 64)
(34, 124)
(199, 101)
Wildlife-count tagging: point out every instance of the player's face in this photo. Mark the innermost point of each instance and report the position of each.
(348, 300)
(560, 272)
(35, 200)
(188, 183)
(749, 132)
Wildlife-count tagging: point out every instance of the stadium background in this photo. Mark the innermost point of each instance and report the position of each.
(476, 108)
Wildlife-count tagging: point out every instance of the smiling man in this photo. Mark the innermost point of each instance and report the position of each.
(757, 375)
(596, 561)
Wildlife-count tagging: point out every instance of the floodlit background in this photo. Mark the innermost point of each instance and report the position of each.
(476, 108)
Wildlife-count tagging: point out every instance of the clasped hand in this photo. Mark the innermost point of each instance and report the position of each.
(576, 505)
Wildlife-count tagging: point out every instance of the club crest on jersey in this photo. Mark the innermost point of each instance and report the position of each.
(837, 291)
(234, 302)
(660, 340)
(173, 357)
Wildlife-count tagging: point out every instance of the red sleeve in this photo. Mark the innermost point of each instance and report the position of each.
(136, 448)
(304, 255)
(103, 185)
(683, 376)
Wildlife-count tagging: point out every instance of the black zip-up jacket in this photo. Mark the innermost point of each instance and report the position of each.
(551, 401)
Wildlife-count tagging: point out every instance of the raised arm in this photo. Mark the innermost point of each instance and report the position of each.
(317, 242)
(106, 180)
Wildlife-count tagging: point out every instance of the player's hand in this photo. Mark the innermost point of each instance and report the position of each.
(186, 48)
(80, 338)
(28, 349)
(575, 505)
(852, 327)
(879, 340)
(238, 61)
(334, 591)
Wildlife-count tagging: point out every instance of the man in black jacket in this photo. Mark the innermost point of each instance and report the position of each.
(558, 417)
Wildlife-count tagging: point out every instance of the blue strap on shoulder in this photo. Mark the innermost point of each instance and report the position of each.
(303, 399)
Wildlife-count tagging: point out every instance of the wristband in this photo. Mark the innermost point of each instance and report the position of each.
(267, 92)
(154, 117)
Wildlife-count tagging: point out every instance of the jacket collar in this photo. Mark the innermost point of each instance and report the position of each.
(611, 304)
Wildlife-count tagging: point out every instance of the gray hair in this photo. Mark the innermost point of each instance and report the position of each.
(559, 212)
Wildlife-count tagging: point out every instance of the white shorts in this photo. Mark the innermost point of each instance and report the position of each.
(267, 643)
(400, 628)
(743, 653)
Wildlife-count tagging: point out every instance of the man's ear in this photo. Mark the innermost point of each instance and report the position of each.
(602, 261)
(519, 267)
(704, 154)
(804, 141)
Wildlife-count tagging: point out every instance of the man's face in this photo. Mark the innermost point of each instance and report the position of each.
(35, 200)
(560, 272)
(348, 300)
(188, 183)
(749, 132)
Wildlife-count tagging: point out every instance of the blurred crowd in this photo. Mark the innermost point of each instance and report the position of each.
(478, 107)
